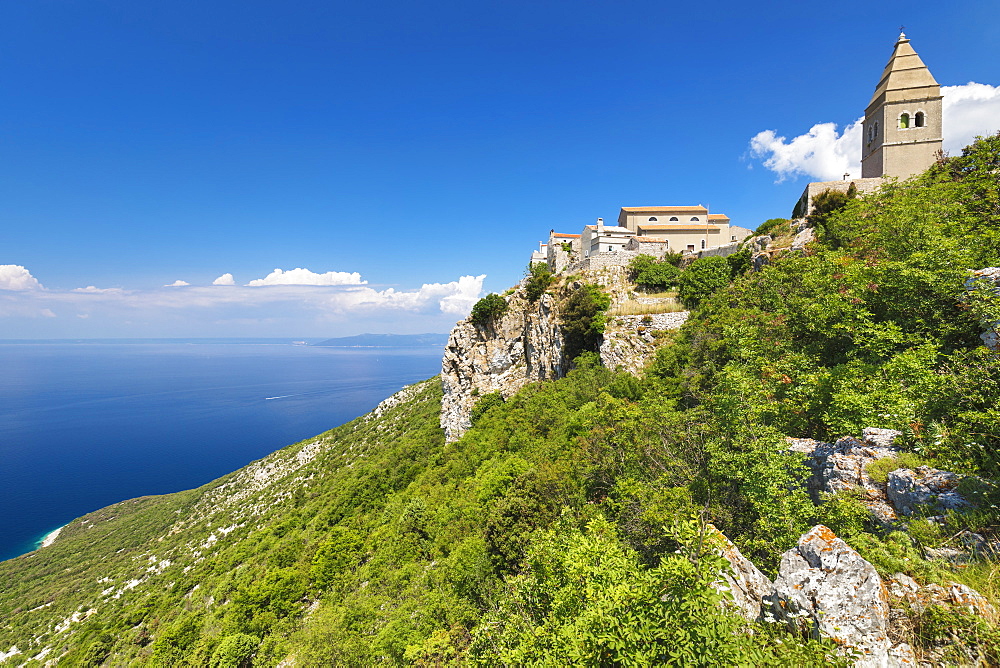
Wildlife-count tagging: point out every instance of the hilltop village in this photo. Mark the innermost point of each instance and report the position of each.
(796, 467)
(902, 137)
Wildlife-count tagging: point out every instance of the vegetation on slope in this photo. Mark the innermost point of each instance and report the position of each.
(566, 524)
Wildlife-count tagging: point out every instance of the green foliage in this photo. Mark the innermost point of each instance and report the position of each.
(539, 279)
(827, 203)
(585, 599)
(582, 320)
(488, 309)
(880, 469)
(964, 634)
(739, 262)
(486, 402)
(653, 275)
(235, 651)
(771, 226)
(338, 552)
(702, 279)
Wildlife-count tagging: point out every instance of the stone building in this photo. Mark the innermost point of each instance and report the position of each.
(601, 238)
(902, 130)
(684, 228)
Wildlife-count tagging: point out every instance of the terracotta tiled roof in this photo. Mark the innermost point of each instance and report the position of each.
(694, 227)
(651, 240)
(664, 209)
(566, 236)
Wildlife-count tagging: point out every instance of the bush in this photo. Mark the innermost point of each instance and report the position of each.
(653, 275)
(235, 651)
(582, 320)
(770, 225)
(539, 279)
(487, 402)
(702, 279)
(488, 309)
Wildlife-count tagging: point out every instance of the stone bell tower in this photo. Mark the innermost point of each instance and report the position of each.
(902, 128)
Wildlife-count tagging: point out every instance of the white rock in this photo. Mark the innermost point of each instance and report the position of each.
(841, 596)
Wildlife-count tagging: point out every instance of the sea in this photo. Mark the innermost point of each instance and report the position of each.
(84, 424)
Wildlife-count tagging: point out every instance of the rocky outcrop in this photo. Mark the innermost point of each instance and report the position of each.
(904, 589)
(924, 486)
(522, 346)
(525, 345)
(825, 583)
(842, 466)
(744, 581)
(630, 341)
(989, 278)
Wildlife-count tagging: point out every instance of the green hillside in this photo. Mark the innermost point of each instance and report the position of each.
(567, 526)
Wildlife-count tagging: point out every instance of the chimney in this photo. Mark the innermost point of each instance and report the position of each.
(600, 227)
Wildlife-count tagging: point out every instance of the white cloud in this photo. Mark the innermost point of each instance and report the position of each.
(91, 290)
(969, 110)
(16, 277)
(825, 154)
(225, 279)
(278, 309)
(177, 284)
(301, 276)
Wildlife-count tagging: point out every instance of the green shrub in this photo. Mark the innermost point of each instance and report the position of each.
(582, 320)
(488, 309)
(653, 275)
(770, 225)
(235, 651)
(880, 469)
(539, 280)
(702, 279)
(486, 402)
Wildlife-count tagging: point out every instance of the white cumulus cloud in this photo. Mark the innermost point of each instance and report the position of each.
(16, 277)
(92, 290)
(177, 284)
(225, 279)
(301, 276)
(969, 110)
(825, 154)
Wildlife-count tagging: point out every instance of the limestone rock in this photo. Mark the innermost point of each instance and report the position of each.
(953, 594)
(908, 488)
(840, 595)
(523, 346)
(746, 583)
(628, 342)
(989, 277)
(805, 236)
(840, 466)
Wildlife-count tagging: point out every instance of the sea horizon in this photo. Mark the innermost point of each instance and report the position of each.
(88, 423)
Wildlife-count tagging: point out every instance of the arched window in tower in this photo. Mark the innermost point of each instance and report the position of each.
(918, 120)
(674, 219)
(652, 219)
(904, 121)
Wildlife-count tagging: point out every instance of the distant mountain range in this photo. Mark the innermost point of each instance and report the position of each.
(386, 341)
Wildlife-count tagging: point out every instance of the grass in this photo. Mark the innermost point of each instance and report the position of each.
(669, 294)
(637, 308)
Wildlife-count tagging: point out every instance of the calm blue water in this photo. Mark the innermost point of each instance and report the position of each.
(84, 425)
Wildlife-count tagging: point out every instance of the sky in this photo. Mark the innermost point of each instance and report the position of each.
(318, 169)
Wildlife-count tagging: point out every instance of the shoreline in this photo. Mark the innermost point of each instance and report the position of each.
(50, 537)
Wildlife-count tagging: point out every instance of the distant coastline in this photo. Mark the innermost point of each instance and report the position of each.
(50, 537)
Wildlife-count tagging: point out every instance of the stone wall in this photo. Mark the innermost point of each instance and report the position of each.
(863, 186)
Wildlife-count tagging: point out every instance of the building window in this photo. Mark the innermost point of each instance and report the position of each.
(703, 244)
(694, 219)
(918, 120)
(652, 219)
(904, 121)
(674, 219)
(733, 238)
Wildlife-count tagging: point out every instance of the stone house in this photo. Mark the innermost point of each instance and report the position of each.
(902, 130)
(684, 228)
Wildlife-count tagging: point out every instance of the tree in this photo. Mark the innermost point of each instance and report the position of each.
(700, 280)
(539, 279)
(582, 320)
(488, 309)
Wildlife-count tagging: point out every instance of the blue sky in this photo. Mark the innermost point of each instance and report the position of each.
(412, 144)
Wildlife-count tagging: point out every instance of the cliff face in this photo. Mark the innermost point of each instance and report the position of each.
(523, 346)
(526, 344)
